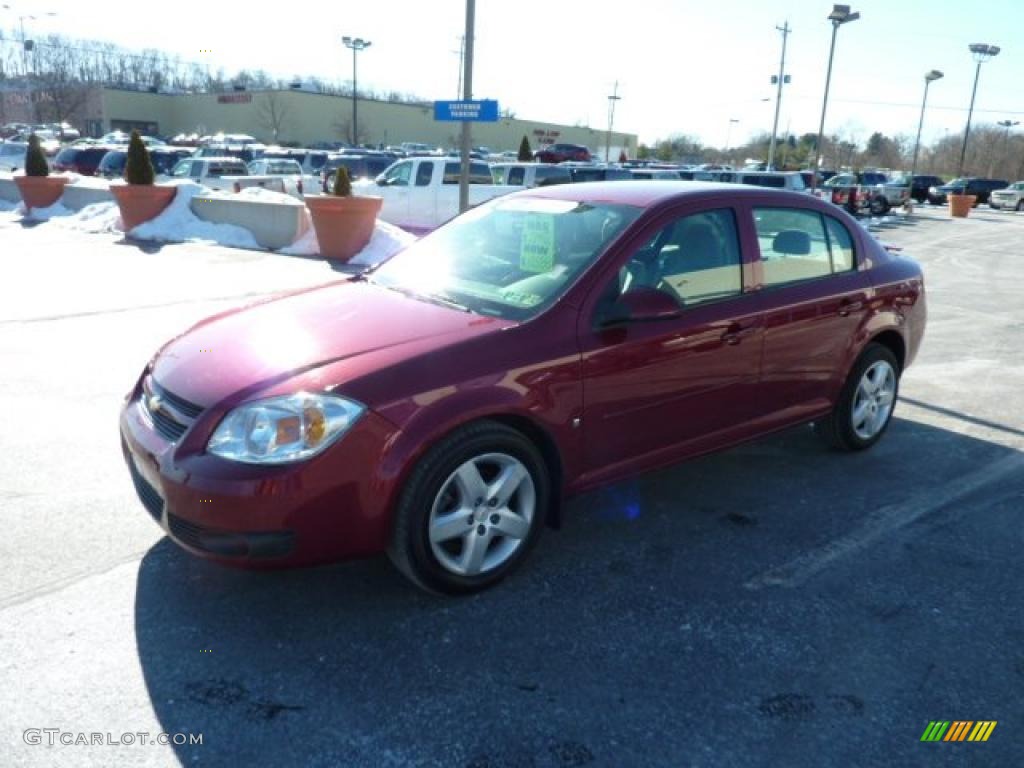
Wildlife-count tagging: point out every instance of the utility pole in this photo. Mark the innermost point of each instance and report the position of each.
(462, 55)
(611, 120)
(785, 30)
(467, 94)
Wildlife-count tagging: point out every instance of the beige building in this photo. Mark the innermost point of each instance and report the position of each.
(306, 118)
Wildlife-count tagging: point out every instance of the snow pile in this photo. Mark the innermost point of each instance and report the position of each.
(45, 214)
(387, 240)
(177, 223)
(98, 217)
(89, 182)
(268, 196)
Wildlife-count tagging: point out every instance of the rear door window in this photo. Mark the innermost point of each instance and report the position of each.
(798, 245)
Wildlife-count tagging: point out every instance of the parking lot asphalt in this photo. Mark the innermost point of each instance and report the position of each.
(774, 605)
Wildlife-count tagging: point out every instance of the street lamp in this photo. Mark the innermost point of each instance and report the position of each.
(840, 15)
(781, 80)
(728, 134)
(982, 52)
(611, 119)
(357, 44)
(929, 78)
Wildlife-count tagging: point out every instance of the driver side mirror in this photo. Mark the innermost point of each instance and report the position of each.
(641, 305)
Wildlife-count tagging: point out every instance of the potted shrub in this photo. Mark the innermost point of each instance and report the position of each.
(37, 187)
(343, 221)
(140, 199)
(960, 205)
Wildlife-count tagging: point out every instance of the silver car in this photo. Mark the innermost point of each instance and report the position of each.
(1011, 198)
(12, 155)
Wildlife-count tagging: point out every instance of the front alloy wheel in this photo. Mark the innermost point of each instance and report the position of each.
(471, 509)
(482, 514)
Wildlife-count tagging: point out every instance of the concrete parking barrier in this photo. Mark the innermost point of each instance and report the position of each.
(273, 224)
(76, 198)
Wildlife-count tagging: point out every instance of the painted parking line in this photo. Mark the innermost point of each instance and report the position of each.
(884, 521)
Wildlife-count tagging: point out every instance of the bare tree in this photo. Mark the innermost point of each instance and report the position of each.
(273, 113)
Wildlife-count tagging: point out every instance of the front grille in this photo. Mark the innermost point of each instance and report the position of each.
(172, 415)
(167, 426)
(148, 495)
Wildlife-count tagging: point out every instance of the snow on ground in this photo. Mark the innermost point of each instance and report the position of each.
(387, 240)
(45, 214)
(177, 224)
(91, 182)
(98, 217)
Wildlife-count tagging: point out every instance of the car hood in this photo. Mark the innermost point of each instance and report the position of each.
(242, 352)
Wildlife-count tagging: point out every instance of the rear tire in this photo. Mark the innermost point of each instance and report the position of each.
(1020, 206)
(879, 206)
(471, 510)
(866, 403)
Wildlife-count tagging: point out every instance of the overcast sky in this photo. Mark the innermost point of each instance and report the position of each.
(683, 66)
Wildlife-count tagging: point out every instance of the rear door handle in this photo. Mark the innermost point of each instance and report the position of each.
(846, 306)
(738, 333)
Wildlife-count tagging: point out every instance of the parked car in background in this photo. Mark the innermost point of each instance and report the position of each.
(581, 173)
(289, 171)
(559, 153)
(12, 155)
(310, 161)
(219, 173)
(164, 158)
(853, 191)
(365, 167)
(1010, 199)
(421, 193)
(540, 346)
(892, 194)
(529, 174)
(921, 184)
(654, 173)
(80, 160)
(981, 188)
(791, 180)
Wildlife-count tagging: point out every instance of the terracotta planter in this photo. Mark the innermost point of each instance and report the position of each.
(344, 225)
(141, 202)
(960, 205)
(40, 191)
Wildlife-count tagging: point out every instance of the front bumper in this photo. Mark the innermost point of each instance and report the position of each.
(329, 508)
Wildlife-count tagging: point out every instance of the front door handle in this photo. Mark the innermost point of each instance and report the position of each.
(737, 333)
(846, 306)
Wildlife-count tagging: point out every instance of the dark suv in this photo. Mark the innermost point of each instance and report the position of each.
(82, 160)
(163, 159)
(921, 184)
(559, 153)
(969, 185)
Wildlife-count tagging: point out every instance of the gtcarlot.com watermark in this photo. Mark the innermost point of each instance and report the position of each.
(53, 737)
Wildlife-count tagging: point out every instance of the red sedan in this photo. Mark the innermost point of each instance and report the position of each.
(440, 406)
(560, 153)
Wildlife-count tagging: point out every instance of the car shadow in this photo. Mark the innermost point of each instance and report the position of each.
(350, 665)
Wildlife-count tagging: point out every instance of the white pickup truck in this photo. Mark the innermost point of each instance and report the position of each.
(421, 193)
(228, 174)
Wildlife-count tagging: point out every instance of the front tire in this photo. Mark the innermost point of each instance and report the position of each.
(1020, 206)
(879, 206)
(471, 510)
(866, 403)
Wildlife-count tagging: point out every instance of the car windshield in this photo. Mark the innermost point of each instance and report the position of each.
(1019, 185)
(510, 258)
(957, 183)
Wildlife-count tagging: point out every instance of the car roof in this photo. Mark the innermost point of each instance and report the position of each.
(645, 194)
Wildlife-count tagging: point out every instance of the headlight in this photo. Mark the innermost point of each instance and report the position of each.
(281, 430)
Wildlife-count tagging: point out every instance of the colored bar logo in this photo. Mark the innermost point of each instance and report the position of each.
(959, 730)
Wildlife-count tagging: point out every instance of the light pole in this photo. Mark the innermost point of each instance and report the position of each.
(783, 78)
(840, 15)
(1007, 124)
(982, 52)
(929, 78)
(728, 136)
(611, 119)
(357, 44)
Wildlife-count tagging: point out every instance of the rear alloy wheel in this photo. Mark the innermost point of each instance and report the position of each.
(471, 510)
(866, 403)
